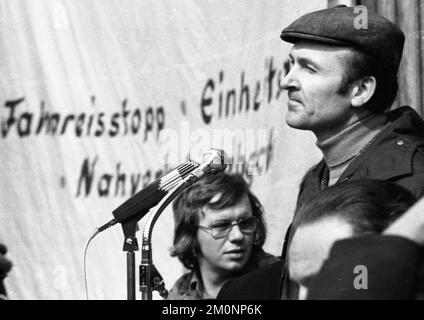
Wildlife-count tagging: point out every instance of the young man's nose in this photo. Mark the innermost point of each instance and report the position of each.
(235, 233)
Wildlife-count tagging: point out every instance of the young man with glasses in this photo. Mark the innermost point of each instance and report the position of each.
(219, 234)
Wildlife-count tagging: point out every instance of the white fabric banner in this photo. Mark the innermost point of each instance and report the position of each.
(99, 98)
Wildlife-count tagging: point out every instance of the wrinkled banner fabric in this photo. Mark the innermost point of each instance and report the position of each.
(99, 98)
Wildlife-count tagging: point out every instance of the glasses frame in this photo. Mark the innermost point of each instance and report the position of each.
(209, 230)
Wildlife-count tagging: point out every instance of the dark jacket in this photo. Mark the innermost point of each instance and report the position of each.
(190, 287)
(389, 270)
(397, 155)
(261, 284)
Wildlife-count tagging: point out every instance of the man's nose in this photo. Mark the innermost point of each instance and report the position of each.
(235, 233)
(290, 81)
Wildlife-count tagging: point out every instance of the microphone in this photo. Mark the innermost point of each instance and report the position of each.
(213, 161)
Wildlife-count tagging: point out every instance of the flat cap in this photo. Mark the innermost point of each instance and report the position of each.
(343, 26)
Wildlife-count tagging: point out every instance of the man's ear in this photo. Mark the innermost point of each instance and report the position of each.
(362, 91)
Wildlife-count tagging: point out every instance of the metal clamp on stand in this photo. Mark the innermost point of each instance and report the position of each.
(150, 278)
(129, 228)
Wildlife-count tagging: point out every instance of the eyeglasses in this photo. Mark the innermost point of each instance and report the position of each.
(223, 229)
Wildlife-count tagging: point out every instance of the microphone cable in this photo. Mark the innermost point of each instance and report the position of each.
(95, 232)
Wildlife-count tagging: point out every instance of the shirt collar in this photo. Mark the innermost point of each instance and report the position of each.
(195, 282)
(195, 285)
(348, 143)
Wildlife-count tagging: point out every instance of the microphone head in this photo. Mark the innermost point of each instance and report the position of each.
(215, 159)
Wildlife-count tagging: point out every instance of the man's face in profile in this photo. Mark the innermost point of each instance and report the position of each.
(311, 246)
(313, 87)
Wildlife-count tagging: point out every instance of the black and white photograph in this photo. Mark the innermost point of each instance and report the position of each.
(211, 155)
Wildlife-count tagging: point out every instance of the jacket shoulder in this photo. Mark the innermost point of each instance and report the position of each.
(180, 288)
(261, 284)
(334, 281)
(310, 172)
(417, 179)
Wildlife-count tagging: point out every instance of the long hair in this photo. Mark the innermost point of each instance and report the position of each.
(187, 208)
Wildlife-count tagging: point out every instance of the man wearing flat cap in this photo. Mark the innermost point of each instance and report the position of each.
(341, 85)
(342, 82)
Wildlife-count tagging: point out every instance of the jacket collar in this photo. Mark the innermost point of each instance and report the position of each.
(348, 143)
(390, 155)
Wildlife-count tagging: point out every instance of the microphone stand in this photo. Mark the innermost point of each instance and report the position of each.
(129, 228)
(150, 278)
